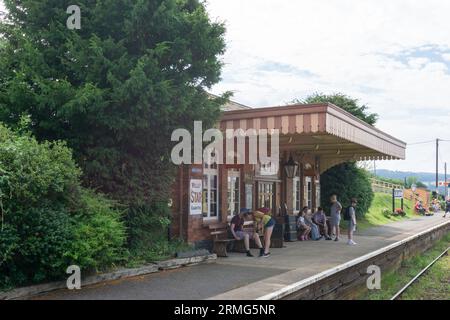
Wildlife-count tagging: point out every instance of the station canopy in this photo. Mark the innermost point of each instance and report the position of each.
(324, 130)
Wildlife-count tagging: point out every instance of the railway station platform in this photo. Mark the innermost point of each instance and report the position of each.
(238, 277)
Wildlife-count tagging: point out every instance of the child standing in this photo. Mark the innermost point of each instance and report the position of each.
(351, 222)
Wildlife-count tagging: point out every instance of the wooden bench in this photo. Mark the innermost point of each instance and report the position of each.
(223, 238)
(219, 232)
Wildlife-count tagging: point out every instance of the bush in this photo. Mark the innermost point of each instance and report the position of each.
(347, 181)
(98, 233)
(387, 213)
(148, 232)
(33, 242)
(48, 221)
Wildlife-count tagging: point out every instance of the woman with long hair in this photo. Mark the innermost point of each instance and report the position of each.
(264, 222)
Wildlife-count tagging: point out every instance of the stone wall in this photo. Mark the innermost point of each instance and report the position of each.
(350, 282)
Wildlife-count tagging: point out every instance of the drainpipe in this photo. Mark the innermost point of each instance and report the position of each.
(180, 200)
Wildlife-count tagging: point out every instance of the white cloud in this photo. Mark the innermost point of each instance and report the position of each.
(366, 49)
(377, 51)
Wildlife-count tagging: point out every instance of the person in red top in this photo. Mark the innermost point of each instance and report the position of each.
(236, 226)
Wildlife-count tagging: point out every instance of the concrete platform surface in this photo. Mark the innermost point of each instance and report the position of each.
(239, 277)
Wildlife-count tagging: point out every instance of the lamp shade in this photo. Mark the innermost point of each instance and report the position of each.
(291, 167)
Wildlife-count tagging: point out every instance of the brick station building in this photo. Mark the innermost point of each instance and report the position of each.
(316, 136)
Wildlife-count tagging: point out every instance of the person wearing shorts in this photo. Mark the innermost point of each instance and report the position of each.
(335, 215)
(236, 227)
(352, 222)
(265, 221)
(303, 229)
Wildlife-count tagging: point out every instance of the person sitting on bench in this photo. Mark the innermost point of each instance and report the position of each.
(419, 208)
(236, 227)
(303, 229)
(320, 219)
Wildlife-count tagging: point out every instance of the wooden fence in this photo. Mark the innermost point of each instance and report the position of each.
(383, 186)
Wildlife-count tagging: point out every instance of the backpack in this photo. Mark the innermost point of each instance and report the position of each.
(347, 214)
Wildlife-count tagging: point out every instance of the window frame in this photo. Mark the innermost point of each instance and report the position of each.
(233, 174)
(211, 172)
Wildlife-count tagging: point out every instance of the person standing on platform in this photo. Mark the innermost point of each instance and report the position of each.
(350, 215)
(447, 207)
(335, 217)
(264, 221)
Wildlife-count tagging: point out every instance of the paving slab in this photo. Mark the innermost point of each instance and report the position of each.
(239, 277)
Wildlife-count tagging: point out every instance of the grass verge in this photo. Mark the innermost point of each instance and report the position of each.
(375, 217)
(434, 285)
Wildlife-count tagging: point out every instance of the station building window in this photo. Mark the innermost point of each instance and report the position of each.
(210, 197)
(234, 192)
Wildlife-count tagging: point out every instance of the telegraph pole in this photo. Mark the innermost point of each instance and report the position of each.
(437, 166)
(447, 189)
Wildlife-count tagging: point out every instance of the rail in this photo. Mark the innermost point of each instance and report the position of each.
(413, 280)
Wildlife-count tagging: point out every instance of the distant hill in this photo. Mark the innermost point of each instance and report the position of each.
(426, 177)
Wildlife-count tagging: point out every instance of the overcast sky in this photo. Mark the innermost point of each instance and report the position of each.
(392, 55)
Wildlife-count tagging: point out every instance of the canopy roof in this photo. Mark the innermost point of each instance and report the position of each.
(320, 129)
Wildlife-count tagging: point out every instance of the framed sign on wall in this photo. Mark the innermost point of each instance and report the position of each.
(195, 196)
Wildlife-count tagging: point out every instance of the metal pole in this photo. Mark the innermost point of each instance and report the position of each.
(445, 178)
(393, 200)
(437, 166)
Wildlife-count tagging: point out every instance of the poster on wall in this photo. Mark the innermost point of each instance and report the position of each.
(195, 196)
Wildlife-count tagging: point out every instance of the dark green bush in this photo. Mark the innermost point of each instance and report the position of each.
(347, 181)
(148, 231)
(48, 221)
(34, 240)
(98, 233)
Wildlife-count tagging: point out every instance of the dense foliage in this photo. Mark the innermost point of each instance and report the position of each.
(345, 102)
(347, 181)
(48, 221)
(115, 89)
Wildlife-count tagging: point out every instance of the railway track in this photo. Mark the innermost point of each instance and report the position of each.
(422, 272)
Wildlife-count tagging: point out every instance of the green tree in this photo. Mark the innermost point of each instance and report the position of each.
(346, 180)
(345, 102)
(116, 88)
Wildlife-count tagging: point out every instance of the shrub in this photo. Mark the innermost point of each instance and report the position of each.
(97, 232)
(48, 221)
(148, 231)
(34, 240)
(347, 181)
(387, 213)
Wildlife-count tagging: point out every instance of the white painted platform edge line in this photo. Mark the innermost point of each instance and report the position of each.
(308, 281)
